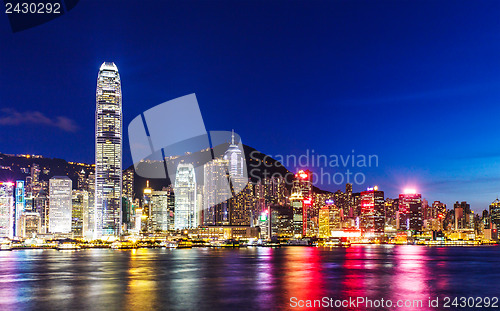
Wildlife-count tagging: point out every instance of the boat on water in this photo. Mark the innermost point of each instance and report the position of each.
(123, 245)
(67, 246)
(184, 243)
(5, 247)
(168, 244)
(231, 243)
(335, 242)
(299, 243)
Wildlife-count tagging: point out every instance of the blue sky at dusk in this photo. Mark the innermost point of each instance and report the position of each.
(415, 83)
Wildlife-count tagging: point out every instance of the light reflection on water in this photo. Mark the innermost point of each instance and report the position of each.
(247, 278)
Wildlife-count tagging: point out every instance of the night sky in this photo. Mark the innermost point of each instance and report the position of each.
(415, 83)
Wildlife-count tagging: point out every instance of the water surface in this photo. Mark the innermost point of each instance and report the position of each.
(242, 279)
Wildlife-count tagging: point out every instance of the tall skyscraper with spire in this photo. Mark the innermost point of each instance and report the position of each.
(108, 157)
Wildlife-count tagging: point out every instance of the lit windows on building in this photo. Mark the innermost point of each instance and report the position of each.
(7, 209)
(60, 204)
(108, 181)
(186, 214)
(410, 211)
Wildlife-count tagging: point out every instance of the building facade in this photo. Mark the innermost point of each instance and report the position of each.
(60, 204)
(186, 213)
(7, 209)
(108, 169)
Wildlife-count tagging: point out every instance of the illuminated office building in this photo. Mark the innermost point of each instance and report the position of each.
(372, 218)
(301, 191)
(216, 193)
(80, 207)
(410, 211)
(281, 221)
(41, 206)
(241, 193)
(325, 230)
(162, 209)
(391, 208)
(439, 209)
(145, 211)
(19, 207)
(241, 207)
(235, 158)
(495, 213)
(186, 214)
(60, 204)
(6, 209)
(91, 211)
(128, 196)
(108, 169)
(462, 212)
(29, 225)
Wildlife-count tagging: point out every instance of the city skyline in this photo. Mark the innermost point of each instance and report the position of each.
(418, 106)
(260, 155)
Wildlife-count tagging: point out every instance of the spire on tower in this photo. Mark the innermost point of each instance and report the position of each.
(232, 137)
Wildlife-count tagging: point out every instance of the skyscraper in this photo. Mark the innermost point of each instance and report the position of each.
(108, 169)
(128, 195)
(79, 221)
(301, 191)
(20, 206)
(372, 211)
(6, 210)
(186, 214)
(410, 211)
(161, 209)
(235, 157)
(217, 192)
(60, 204)
(495, 213)
(462, 211)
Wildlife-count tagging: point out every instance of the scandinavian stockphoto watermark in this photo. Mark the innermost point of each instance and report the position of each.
(169, 141)
(326, 169)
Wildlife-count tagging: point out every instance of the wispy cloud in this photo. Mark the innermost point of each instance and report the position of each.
(9, 116)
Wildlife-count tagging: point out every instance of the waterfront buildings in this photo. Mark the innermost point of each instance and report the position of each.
(108, 138)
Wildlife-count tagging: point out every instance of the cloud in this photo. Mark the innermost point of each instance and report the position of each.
(11, 116)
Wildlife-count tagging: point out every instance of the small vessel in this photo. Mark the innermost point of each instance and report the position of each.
(123, 245)
(67, 246)
(231, 243)
(168, 244)
(336, 243)
(5, 247)
(298, 243)
(184, 243)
